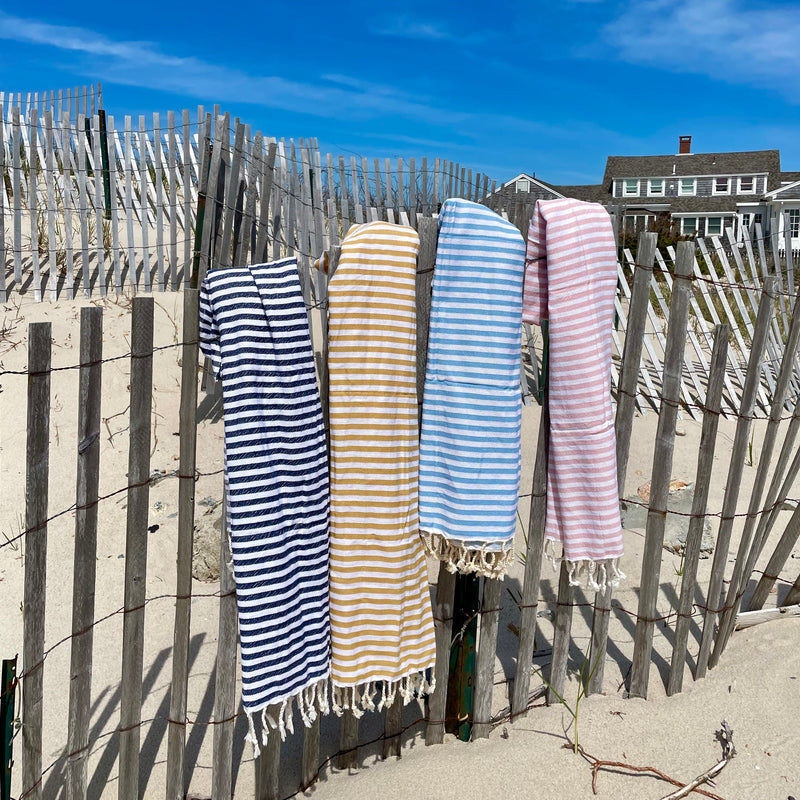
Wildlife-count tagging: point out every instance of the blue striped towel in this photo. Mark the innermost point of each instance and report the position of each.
(253, 327)
(472, 409)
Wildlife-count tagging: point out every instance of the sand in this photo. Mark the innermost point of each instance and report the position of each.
(756, 687)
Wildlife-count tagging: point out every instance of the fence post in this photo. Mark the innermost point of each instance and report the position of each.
(626, 405)
(37, 474)
(7, 680)
(225, 686)
(694, 536)
(141, 381)
(83, 586)
(662, 468)
(176, 736)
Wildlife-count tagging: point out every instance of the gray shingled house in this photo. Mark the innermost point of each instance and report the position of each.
(702, 193)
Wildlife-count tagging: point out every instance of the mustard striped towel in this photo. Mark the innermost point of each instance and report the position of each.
(381, 622)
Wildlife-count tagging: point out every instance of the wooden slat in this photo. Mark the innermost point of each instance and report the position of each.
(37, 470)
(487, 647)
(443, 623)
(348, 738)
(533, 570)
(752, 540)
(2, 206)
(98, 207)
(141, 392)
(662, 470)
(735, 470)
(393, 729)
(159, 197)
(144, 204)
(33, 208)
(777, 560)
(225, 686)
(694, 536)
(248, 232)
(172, 169)
(17, 177)
(561, 636)
(176, 734)
(231, 195)
(128, 169)
(67, 201)
(187, 199)
(268, 765)
(309, 767)
(50, 188)
(267, 179)
(85, 560)
(112, 179)
(209, 209)
(626, 405)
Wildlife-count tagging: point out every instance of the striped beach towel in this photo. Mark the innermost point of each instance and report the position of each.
(571, 280)
(471, 413)
(381, 622)
(254, 329)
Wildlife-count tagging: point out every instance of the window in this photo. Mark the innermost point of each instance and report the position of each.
(713, 226)
(794, 222)
(656, 186)
(688, 226)
(630, 187)
(721, 185)
(523, 185)
(746, 220)
(757, 219)
(747, 185)
(686, 186)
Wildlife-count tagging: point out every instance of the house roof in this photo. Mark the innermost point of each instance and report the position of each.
(790, 177)
(788, 191)
(755, 161)
(591, 193)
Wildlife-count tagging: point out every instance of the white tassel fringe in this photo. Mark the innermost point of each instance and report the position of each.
(460, 558)
(598, 575)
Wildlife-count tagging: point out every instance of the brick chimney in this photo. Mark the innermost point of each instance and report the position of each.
(685, 144)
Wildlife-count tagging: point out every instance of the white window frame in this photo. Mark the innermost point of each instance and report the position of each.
(625, 182)
(694, 229)
(746, 219)
(522, 182)
(727, 189)
(793, 219)
(654, 193)
(752, 189)
(681, 192)
(709, 232)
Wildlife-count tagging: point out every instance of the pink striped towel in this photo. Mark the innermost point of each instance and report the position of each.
(570, 280)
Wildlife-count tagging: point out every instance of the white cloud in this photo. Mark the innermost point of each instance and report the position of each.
(144, 64)
(403, 27)
(728, 40)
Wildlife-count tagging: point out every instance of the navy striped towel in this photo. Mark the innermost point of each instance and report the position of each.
(253, 327)
(472, 409)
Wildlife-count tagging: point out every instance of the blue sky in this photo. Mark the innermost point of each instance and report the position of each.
(547, 87)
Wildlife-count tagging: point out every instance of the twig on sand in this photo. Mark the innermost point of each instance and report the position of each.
(725, 737)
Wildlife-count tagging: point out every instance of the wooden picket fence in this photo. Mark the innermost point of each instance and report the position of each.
(657, 300)
(87, 206)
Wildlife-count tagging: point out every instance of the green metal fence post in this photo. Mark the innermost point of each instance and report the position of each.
(7, 685)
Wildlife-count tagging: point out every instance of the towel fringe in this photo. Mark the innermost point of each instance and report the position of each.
(311, 702)
(461, 558)
(599, 575)
(360, 699)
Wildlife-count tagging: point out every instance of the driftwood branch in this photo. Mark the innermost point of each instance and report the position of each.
(749, 618)
(725, 737)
